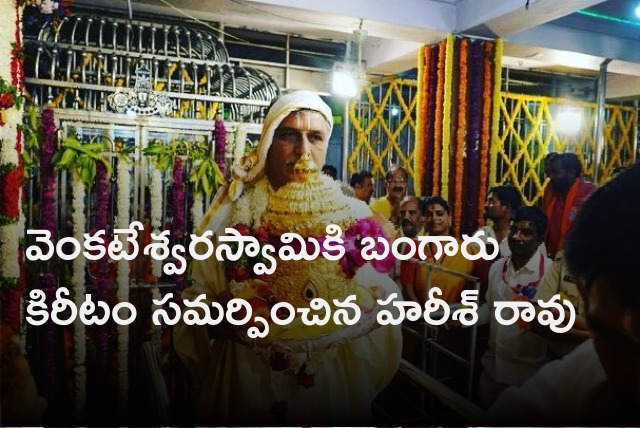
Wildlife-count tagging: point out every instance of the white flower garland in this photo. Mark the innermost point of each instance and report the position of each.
(196, 210)
(8, 134)
(156, 330)
(124, 204)
(155, 190)
(8, 14)
(240, 142)
(249, 208)
(78, 190)
(9, 234)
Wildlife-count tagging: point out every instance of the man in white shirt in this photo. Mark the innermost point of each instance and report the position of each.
(599, 382)
(515, 354)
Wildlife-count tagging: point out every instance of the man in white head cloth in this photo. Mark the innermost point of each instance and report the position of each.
(237, 387)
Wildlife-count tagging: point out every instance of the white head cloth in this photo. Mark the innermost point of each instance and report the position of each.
(285, 105)
(252, 166)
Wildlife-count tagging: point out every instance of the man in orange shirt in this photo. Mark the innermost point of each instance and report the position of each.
(563, 199)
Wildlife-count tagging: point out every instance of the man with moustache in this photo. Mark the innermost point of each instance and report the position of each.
(396, 186)
(412, 226)
(237, 385)
(514, 354)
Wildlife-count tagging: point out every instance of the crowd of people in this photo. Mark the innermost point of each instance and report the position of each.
(540, 254)
(578, 243)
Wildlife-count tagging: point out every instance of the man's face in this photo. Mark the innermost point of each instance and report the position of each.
(397, 186)
(410, 218)
(524, 238)
(299, 133)
(560, 179)
(616, 336)
(365, 190)
(493, 208)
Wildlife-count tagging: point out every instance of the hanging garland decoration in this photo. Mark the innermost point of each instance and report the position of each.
(460, 91)
(12, 220)
(178, 213)
(102, 223)
(437, 134)
(485, 139)
(446, 120)
(220, 139)
(123, 174)
(78, 284)
(473, 141)
(423, 90)
(461, 131)
(155, 193)
(85, 162)
(430, 155)
(495, 116)
(48, 222)
(240, 142)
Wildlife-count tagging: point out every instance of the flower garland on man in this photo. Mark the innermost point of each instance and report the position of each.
(238, 385)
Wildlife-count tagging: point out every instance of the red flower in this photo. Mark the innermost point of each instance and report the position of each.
(238, 273)
(279, 361)
(244, 229)
(305, 379)
(6, 100)
(262, 235)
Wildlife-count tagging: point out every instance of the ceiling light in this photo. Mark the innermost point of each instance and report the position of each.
(347, 80)
(569, 120)
(638, 11)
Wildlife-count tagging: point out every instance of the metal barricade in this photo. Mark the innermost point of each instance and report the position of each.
(430, 334)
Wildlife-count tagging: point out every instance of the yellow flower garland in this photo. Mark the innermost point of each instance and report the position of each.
(423, 90)
(446, 121)
(495, 140)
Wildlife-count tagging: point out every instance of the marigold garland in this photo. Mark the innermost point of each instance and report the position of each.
(446, 121)
(461, 133)
(429, 143)
(437, 134)
(423, 84)
(485, 140)
(497, 85)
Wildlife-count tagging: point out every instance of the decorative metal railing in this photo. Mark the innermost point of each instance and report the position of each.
(80, 61)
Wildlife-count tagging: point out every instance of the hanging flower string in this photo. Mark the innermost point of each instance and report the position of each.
(123, 206)
(461, 133)
(220, 139)
(485, 140)
(495, 122)
(446, 120)
(78, 282)
(48, 222)
(430, 150)
(179, 223)
(473, 138)
(102, 223)
(437, 134)
(423, 86)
